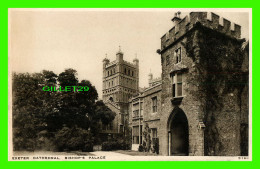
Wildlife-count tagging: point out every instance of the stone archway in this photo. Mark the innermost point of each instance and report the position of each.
(178, 133)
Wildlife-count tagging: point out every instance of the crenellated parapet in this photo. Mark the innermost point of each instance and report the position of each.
(206, 19)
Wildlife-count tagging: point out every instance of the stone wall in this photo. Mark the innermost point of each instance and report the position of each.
(213, 87)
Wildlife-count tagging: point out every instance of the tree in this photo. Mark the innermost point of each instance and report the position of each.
(68, 78)
(147, 138)
(103, 113)
(74, 138)
(40, 115)
(28, 109)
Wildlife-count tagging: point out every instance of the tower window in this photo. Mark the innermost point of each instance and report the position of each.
(154, 102)
(125, 70)
(132, 73)
(107, 73)
(176, 85)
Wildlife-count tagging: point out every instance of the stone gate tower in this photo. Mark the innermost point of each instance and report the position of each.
(120, 82)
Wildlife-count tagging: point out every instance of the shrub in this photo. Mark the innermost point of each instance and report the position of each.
(115, 145)
(72, 139)
(156, 146)
(141, 148)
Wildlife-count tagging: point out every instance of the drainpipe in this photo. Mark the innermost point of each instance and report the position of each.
(139, 122)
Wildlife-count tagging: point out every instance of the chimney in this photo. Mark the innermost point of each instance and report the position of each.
(176, 19)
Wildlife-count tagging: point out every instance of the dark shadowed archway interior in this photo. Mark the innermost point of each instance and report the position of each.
(111, 99)
(178, 134)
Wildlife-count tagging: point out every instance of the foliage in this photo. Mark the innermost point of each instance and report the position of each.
(28, 109)
(217, 72)
(156, 146)
(128, 134)
(73, 139)
(141, 148)
(119, 144)
(103, 113)
(40, 116)
(147, 138)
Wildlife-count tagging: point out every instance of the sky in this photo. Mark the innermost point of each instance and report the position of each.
(56, 39)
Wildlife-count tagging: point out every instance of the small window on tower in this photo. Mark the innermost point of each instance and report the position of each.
(125, 70)
(178, 55)
(129, 72)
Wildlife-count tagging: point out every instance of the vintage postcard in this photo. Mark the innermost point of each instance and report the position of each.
(130, 84)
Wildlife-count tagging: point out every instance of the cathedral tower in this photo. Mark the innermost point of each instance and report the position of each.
(120, 82)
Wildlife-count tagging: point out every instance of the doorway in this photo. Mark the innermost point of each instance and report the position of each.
(178, 133)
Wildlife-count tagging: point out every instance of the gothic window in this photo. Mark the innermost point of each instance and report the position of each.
(107, 73)
(176, 85)
(136, 131)
(108, 84)
(179, 84)
(128, 72)
(154, 134)
(114, 70)
(141, 109)
(173, 85)
(132, 73)
(112, 83)
(154, 102)
(178, 55)
(125, 70)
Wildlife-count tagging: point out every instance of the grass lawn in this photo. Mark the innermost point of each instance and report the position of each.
(50, 153)
(136, 153)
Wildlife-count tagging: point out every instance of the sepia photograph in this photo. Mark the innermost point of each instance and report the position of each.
(129, 84)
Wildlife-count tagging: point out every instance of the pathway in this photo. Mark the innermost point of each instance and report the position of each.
(107, 153)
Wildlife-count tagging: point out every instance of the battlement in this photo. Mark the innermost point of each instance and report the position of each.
(111, 64)
(129, 64)
(207, 19)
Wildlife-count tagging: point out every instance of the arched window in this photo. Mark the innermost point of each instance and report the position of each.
(111, 99)
(129, 72)
(107, 73)
(125, 70)
(132, 73)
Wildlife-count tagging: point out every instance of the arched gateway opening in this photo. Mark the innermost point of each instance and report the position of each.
(178, 133)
